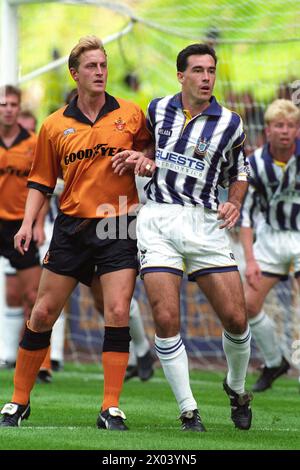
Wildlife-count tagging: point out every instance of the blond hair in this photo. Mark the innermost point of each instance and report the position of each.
(282, 109)
(87, 43)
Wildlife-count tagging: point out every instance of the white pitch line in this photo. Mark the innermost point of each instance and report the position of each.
(95, 376)
(161, 428)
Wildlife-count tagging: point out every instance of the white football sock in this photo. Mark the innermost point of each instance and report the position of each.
(264, 333)
(172, 355)
(13, 322)
(237, 352)
(137, 332)
(58, 339)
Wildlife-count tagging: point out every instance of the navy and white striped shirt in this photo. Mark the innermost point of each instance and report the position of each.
(193, 158)
(274, 191)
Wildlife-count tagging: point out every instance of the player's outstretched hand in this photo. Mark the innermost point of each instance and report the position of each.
(120, 163)
(144, 166)
(130, 160)
(22, 239)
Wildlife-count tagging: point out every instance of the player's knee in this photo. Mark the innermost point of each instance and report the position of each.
(30, 297)
(13, 299)
(42, 318)
(118, 314)
(252, 309)
(237, 324)
(166, 324)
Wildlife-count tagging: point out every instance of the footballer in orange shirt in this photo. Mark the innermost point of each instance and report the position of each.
(94, 230)
(17, 147)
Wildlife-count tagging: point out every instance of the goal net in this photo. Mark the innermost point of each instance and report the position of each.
(201, 330)
(257, 45)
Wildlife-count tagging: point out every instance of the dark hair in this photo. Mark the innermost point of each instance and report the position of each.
(26, 113)
(11, 90)
(193, 49)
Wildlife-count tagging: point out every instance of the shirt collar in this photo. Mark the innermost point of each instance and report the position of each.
(214, 109)
(23, 134)
(266, 154)
(297, 151)
(73, 111)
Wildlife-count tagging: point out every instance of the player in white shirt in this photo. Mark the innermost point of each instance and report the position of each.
(274, 196)
(198, 146)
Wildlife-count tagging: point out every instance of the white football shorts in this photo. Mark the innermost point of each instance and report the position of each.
(277, 251)
(174, 238)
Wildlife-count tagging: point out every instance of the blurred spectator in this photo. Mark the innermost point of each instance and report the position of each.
(27, 120)
(224, 86)
(253, 117)
(131, 79)
(232, 101)
(284, 90)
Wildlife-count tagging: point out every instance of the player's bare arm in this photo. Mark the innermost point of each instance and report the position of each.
(230, 211)
(253, 271)
(34, 203)
(38, 228)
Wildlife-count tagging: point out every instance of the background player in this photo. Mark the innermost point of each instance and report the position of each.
(17, 147)
(272, 200)
(13, 310)
(27, 120)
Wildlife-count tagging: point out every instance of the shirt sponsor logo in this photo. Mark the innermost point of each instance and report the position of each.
(101, 150)
(179, 163)
(287, 195)
(10, 170)
(71, 130)
(166, 132)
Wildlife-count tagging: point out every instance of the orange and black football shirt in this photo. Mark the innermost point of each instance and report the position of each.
(71, 145)
(15, 165)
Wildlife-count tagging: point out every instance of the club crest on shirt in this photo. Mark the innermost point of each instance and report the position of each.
(120, 124)
(71, 130)
(202, 147)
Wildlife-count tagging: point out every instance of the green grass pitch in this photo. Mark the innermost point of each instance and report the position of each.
(64, 413)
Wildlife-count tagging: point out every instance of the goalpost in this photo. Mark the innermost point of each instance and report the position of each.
(9, 37)
(257, 44)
